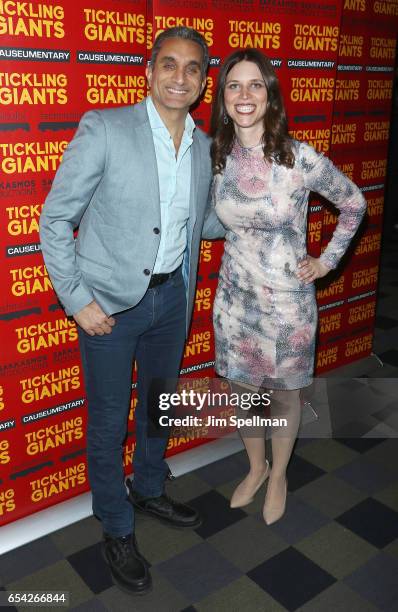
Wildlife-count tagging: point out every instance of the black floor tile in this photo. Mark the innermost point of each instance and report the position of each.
(216, 513)
(92, 605)
(350, 386)
(386, 322)
(28, 559)
(216, 473)
(199, 572)
(376, 581)
(7, 608)
(391, 264)
(372, 521)
(92, 568)
(301, 472)
(361, 445)
(390, 357)
(354, 430)
(391, 245)
(291, 578)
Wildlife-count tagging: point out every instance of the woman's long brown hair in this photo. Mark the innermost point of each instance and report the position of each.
(277, 144)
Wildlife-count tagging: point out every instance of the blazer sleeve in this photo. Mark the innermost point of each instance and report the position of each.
(78, 176)
(322, 176)
(212, 227)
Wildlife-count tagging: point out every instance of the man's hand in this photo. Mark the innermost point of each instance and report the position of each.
(93, 320)
(310, 269)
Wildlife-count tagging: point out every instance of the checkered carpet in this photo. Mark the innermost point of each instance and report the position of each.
(336, 548)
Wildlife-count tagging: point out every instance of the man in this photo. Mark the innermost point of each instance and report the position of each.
(136, 181)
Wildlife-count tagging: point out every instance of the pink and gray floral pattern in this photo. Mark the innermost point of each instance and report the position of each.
(264, 317)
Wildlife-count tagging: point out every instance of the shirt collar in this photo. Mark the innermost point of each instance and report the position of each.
(156, 121)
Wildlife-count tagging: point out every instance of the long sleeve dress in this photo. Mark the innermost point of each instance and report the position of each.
(264, 317)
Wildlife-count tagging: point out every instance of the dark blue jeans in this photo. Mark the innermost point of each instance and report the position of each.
(154, 333)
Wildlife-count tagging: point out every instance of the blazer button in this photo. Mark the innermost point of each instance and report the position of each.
(156, 230)
(147, 272)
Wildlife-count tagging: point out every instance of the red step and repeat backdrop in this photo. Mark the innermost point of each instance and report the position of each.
(59, 59)
(358, 145)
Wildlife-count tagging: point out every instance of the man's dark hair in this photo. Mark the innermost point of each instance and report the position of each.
(186, 34)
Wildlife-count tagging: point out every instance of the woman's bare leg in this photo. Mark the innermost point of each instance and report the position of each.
(254, 440)
(284, 404)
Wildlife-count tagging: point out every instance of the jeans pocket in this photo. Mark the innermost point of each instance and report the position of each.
(177, 280)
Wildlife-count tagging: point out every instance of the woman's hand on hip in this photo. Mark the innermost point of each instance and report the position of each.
(310, 269)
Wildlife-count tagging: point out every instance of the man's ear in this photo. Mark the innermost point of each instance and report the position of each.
(148, 74)
(204, 83)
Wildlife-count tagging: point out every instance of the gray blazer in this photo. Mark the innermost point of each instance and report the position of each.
(107, 185)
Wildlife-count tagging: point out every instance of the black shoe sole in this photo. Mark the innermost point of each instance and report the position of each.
(122, 586)
(167, 521)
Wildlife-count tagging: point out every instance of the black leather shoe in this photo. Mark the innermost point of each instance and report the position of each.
(128, 567)
(165, 509)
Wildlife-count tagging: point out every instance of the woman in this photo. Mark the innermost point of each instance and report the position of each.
(265, 312)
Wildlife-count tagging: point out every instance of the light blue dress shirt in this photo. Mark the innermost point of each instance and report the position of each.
(174, 188)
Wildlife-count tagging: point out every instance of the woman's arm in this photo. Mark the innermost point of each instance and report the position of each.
(322, 176)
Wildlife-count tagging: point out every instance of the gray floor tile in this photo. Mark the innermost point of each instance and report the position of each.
(387, 371)
(215, 474)
(392, 548)
(299, 520)
(302, 442)
(162, 598)
(93, 605)
(385, 455)
(389, 496)
(187, 487)
(384, 388)
(247, 543)
(327, 454)
(199, 571)
(389, 417)
(338, 598)
(357, 429)
(158, 542)
(336, 550)
(352, 403)
(242, 595)
(59, 576)
(330, 495)
(77, 536)
(366, 475)
(28, 559)
(377, 581)
(381, 431)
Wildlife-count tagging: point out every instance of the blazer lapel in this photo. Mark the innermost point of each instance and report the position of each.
(144, 142)
(195, 171)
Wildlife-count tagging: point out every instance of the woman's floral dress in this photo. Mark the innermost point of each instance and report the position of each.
(264, 317)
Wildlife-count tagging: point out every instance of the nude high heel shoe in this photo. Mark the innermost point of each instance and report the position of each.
(271, 514)
(240, 498)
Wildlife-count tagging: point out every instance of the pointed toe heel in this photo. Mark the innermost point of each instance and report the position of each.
(240, 499)
(271, 514)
